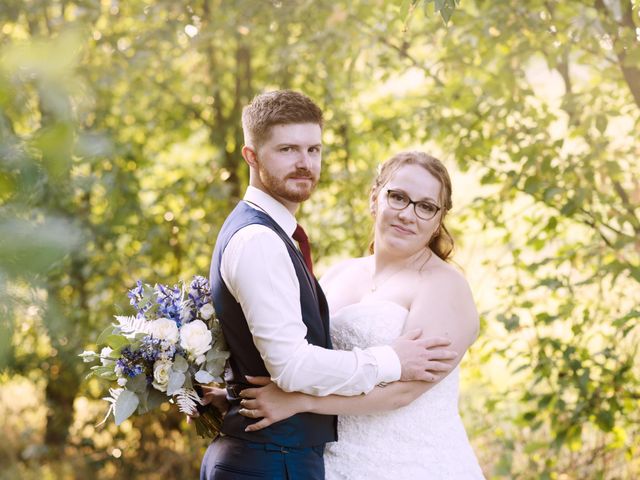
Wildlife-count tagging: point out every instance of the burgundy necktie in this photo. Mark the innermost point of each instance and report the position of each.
(301, 237)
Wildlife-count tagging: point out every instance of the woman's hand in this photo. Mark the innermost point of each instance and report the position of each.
(269, 403)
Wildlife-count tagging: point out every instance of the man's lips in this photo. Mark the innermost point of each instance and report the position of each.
(298, 178)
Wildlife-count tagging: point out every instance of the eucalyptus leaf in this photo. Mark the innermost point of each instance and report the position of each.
(180, 364)
(107, 332)
(125, 405)
(155, 399)
(176, 381)
(204, 377)
(116, 341)
(138, 383)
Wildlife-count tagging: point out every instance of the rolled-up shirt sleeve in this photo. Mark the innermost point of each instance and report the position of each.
(258, 272)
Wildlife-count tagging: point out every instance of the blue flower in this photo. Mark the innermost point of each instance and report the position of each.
(136, 294)
(132, 362)
(199, 291)
(169, 300)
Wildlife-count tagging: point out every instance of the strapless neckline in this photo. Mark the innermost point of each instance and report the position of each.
(372, 302)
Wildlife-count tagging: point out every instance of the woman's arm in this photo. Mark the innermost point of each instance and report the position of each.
(443, 307)
(272, 404)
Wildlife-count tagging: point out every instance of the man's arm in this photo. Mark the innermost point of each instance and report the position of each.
(445, 307)
(257, 269)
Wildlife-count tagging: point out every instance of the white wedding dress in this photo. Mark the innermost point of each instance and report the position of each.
(424, 440)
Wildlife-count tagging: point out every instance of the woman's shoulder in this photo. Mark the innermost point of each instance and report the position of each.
(445, 275)
(346, 266)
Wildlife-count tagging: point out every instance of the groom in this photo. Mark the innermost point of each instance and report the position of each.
(273, 313)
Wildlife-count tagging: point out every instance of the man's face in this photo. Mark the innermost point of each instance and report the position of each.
(288, 163)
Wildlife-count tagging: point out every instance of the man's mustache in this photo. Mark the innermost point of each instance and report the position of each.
(302, 173)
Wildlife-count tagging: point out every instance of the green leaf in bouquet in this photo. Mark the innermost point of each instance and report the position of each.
(180, 364)
(204, 377)
(125, 405)
(214, 354)
(138, 383)
(89, 356)
(176, 381)
(104, 372)
(116, 341)
(155, 399)
(143, 398)
(215, 362)
(103, 336)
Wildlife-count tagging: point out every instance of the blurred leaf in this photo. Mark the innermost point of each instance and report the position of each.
(30, 248)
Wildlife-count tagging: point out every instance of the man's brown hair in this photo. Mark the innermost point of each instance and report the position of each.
(281, 107)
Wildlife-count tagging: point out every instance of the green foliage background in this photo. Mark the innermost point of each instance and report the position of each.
(119, 159)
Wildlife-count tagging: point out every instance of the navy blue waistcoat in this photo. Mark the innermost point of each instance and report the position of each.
(303, 429)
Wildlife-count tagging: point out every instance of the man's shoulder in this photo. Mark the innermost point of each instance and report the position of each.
(254, 233)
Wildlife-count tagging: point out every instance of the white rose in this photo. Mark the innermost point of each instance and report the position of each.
(104, 356)
(195, 338)
(122, 381)
(206, 311)
(161, 373)
(164, 329)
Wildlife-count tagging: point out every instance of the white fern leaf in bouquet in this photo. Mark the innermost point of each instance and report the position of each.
(112, 399)
(188, 401)
(130, 325)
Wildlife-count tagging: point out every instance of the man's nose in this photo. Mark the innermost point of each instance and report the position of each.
(303, 160)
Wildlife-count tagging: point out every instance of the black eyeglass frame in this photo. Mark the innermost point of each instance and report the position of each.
(411, 202)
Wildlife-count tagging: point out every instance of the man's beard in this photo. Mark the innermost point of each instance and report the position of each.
(281, 188)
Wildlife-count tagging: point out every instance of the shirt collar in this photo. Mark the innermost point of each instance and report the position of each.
(273, 208)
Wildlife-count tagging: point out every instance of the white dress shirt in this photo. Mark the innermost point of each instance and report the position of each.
(258, 272)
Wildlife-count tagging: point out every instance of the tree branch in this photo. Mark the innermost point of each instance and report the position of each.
(605, 225)
(630, 73)
(402, 50)
(627, 205)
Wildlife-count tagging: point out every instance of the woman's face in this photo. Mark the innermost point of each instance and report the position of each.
(402, 231)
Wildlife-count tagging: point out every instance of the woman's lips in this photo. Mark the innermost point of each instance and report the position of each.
(402, 230)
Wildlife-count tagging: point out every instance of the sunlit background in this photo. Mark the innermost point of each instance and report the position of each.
(120, 157)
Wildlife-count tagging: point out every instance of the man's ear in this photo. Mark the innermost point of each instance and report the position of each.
(249, 155)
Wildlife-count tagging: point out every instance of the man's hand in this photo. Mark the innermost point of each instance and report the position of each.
(215, 396)
(423, 358)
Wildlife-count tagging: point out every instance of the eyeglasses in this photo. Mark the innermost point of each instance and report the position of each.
(399, 200)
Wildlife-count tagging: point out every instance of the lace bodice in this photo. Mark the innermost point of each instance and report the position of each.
(425, 439)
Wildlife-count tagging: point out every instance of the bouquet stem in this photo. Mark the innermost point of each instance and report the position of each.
(209, 423)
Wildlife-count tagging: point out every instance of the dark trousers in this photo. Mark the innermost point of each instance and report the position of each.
(229, 458)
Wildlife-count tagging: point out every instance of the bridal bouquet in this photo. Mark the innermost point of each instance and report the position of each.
(164, 352)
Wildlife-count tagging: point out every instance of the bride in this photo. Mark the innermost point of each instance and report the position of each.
(405, 429)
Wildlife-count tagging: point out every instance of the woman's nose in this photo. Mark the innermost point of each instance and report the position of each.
(407, 214)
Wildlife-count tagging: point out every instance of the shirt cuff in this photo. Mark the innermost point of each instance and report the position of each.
(389, 368)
